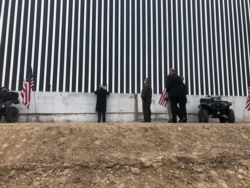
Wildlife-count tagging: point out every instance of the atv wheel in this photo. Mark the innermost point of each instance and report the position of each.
(231, 116)
(200, 116)
(203, 115)
(223, 119)
(11, 114)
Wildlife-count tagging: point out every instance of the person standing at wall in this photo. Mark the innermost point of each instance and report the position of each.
(101, 102)
(168, 107)
(183, 102)
(146, 96)
(174, 88)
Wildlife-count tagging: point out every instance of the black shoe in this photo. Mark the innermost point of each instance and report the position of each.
(184, 120)
(172, 121)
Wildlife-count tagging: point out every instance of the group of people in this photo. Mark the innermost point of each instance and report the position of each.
(101, 102)
(176, 98)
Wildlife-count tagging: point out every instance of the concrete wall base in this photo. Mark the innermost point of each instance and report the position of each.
(80, 107)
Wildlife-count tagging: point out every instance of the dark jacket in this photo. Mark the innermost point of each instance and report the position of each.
(146, 94)
(101, 99)
(184, 90)
(174, 86)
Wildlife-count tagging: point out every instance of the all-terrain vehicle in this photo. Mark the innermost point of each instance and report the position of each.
(7, 110)
(215, 107)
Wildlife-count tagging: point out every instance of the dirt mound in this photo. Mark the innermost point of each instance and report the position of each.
(124, 155)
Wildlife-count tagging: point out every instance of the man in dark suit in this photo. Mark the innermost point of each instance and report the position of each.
(101, 93)
(174, 86)
(146, 96)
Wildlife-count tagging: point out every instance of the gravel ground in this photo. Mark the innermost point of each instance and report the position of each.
(148, 155)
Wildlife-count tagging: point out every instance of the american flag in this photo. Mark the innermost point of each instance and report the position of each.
(248, 100)
(163, 100)
(27, 88)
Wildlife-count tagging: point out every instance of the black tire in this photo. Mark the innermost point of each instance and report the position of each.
(223, 119)
(204, 116)
(231, 116)
(11, 114)
(200, 116)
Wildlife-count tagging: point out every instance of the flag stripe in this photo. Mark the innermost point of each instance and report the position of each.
(163, 100)
(248, 100)
(27, 88)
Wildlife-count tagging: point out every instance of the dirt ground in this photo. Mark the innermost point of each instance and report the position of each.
(121, 155)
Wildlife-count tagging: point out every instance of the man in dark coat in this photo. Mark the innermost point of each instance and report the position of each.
(146, 96)
(174, 86)
(101, 103)
(183, 101)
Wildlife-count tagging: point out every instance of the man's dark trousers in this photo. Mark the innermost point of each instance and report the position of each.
(103, 115)
(146, 111)
(174, 101)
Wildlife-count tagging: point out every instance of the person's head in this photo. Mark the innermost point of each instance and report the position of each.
(146, 81)
(100, 86)
(172, 71)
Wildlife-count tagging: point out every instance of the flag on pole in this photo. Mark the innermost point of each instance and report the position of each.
(27, 88)
(163, 100)
(248, 100)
